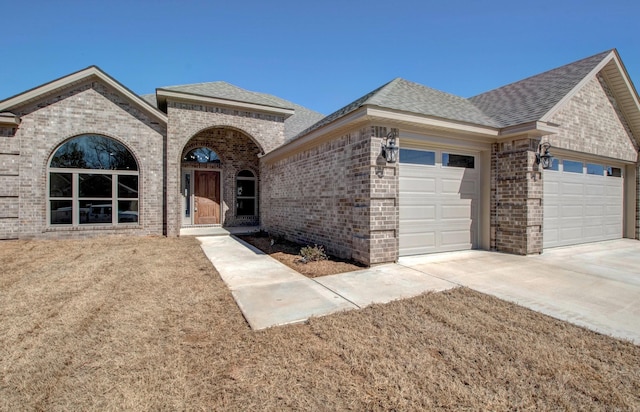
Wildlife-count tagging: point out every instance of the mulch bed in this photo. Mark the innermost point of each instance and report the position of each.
(289, 253)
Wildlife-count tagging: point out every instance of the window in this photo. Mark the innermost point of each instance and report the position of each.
(554, 165)
(595, 169)
(614, 171)
(571, 167)
(90, 177)
(456, 160)
(201, 155)
(417, 157)
(246, 194)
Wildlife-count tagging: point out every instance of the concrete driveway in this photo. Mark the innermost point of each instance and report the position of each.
(595, 285)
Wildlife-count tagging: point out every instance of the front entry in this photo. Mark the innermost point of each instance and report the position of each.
(206, 208)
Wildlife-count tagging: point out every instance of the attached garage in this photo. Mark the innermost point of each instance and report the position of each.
(439, 201)
(583, 202)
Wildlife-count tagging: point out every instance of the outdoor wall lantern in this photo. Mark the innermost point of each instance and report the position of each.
(389, 148)
(543, 156)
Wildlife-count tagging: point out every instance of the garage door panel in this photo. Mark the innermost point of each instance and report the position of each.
(568, 189)
(440, 218)
(580, 208)
(459, 238)
(460, 211)
(450, 186)
(417, 213)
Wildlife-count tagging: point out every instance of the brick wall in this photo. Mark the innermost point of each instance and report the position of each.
(87, 107)
(236, 152)
(591, 122)
(337, 194)
(9, 183)
(516, 197)
(259, 133)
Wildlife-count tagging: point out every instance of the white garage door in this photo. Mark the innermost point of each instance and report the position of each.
(583, 202)
(439, 192)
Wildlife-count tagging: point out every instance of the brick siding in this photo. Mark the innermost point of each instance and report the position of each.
(337, 194)
(516, 197)
(237, 136)
(89, 107)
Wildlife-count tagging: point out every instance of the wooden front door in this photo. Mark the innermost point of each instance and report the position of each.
(207, 198)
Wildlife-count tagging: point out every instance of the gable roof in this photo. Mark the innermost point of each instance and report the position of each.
(227, 91)
(91, 71)
(406, 96)
(531, 99)
(297, 118)
(528, 101)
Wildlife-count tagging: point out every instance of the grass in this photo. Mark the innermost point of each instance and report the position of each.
(147, 324)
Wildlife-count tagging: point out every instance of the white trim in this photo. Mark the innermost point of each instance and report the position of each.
(77, 77)
(223, 102)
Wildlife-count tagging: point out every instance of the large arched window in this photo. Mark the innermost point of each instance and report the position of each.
(246, 194)
(90, 177)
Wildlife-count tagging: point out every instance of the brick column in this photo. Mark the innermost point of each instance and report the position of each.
(516, 197)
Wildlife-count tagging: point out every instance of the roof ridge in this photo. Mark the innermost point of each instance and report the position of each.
(546, 72)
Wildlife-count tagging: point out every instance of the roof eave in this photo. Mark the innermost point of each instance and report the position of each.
(425, 121)
(37, 92)
(9, 119)
(162, 95)
(532, 129)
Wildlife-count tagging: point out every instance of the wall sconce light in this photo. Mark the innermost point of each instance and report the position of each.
(389, 148)
(543, 156)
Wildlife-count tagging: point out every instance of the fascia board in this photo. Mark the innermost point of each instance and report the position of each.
(568, 96)
(188, 97)
(76, 77)
(317, 136)
(9, 119)
(401, 117)
(535, 128)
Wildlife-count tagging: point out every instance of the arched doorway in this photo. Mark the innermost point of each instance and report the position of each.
(219, 183)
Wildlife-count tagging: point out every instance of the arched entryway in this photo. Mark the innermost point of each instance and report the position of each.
(219, 179)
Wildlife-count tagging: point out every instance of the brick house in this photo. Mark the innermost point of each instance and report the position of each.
(84, 156)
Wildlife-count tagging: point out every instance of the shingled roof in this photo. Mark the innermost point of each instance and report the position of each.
(300, 120)
(530, 99)
(407, 96)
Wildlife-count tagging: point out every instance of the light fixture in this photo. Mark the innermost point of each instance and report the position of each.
(544, 158)
(389, 148)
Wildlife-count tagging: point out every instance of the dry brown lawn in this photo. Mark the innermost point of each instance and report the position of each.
(147, 324)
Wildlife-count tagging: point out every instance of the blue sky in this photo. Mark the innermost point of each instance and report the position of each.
(320, 54)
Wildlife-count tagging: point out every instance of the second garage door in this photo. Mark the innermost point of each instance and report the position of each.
(439, 193)
(583, 202)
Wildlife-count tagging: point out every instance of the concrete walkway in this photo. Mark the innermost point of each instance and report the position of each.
(596, 286)
(270, 293)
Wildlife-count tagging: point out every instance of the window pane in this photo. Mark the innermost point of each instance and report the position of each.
(246, 207)
(245, 173)
(127, 211)
(246, 188)
(128, 186)
(95, 212)
(417, 157)
(554, 164)
(456, 160)
(571, 166)
(593, 169)
(95, 185)
(60, 185)
(201, 155)
(94, 152)
(614, 171)
(61, 213)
